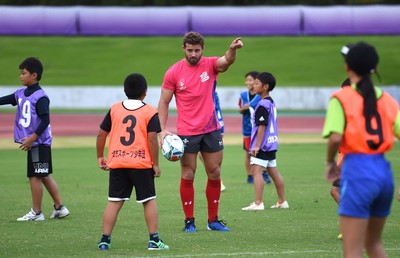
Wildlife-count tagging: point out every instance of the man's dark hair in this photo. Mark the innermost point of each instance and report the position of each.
(135, 86)
(193, 38)
(32, 65)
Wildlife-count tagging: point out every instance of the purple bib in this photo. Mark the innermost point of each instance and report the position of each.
(27, 120)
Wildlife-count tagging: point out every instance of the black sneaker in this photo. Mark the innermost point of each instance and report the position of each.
(189, 226)
(218, 225)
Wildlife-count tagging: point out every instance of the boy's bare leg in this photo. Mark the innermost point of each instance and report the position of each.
(278, 182)
(52, 188)
(258, 183)
(110, 216)
(151, 215)
(37, 193)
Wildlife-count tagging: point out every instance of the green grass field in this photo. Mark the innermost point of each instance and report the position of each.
(307, 229)
(296, 61)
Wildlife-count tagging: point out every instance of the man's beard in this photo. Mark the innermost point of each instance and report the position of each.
(193, 60)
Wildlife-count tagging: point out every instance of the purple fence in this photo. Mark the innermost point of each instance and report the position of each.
(344, 20)
(327, 20)
(38, 20)
(147, 21)
(160, 21)
(377, 20)
(260, 20)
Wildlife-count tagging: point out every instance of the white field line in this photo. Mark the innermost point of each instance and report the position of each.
(251, 253)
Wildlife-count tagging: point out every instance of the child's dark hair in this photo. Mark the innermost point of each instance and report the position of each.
(135, 86)
(346, 82)
(363, 59)
(252, 74)
(267, 78)
(193, 38)
(32, 65)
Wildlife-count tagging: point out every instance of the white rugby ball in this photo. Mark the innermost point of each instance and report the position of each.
(173, 147)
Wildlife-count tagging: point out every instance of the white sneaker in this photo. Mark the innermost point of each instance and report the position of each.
(31, 215)
(60, 213)
(222, 187)
(254, 207)
(283, 205)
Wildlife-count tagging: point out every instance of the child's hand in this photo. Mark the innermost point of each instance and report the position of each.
(157, 171)
(332, 172)
(28, 142)
(244, 108)
(103, 163)
(254, 151)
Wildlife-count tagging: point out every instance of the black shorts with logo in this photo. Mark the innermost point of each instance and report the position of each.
(208, 142)
(39, 161)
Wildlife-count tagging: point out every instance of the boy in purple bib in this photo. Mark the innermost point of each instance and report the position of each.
(32, 131)
(264, 144)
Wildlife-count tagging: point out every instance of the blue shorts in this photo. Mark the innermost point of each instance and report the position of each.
(367, 186)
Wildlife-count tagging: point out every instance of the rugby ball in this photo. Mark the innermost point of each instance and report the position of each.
(173, 147)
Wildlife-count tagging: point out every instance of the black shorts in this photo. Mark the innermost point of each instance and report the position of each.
(209, 142)
(336, 183)
(266, 155)
(122, 181)
(39, 161)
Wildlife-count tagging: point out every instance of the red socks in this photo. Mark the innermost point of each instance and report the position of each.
(213, 193)
(187, 197)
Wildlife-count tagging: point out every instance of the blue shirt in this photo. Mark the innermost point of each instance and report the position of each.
(252, 100)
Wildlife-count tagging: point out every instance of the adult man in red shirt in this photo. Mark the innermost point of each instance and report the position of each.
(193, 81)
